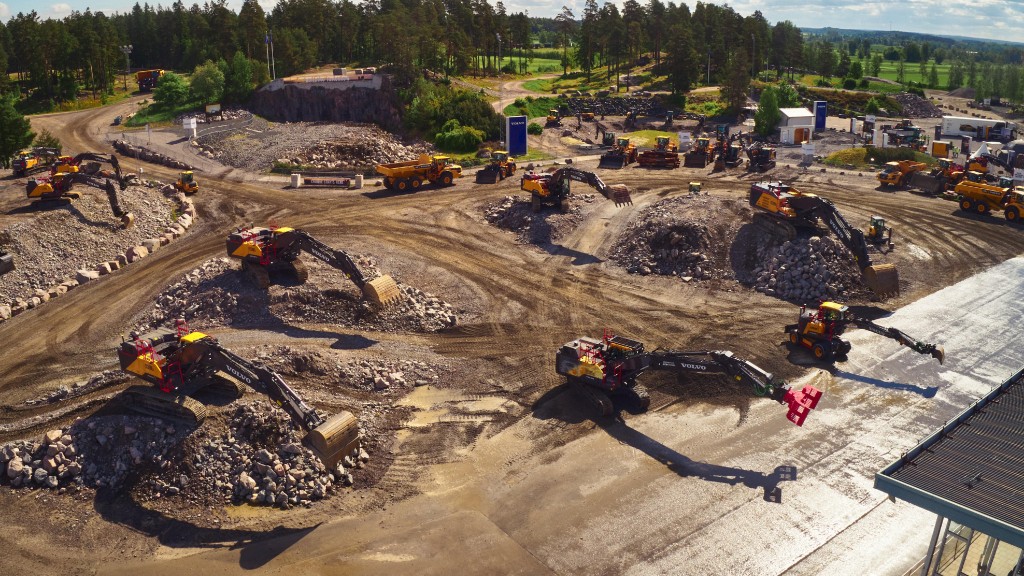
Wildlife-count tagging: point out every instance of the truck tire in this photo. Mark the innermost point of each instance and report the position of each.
(967, 205)
(794, 338)
(446, 179)
(415, 183)
(981, 207)
(1012, 214)
(402, 184)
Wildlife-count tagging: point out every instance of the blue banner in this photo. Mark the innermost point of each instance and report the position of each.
(820, 111)
(515, 134)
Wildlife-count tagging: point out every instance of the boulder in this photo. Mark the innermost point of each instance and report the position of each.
(39, 475)
(5, 312)
(104, 268)
(136, 253)
(151, 244)
(83, 276)
(43, 295)
(15, 468)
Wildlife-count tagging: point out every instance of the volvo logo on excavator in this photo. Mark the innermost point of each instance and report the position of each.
(238, 374)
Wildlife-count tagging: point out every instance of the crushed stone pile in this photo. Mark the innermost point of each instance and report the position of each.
(350, 147)
(258, 460)
(217, 293)
(807, 270)
(515, 214)
(364, 374)
(225, 114)
(51, 246)
(143, 153)
(916, 107)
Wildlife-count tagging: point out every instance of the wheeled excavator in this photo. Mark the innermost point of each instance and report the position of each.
(820, 332)
(553, 189)
(180, 364)
(782, 210)
(57, 188)
(609, 366)
(268, 250)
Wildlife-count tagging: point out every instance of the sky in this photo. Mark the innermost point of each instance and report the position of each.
(993, 19)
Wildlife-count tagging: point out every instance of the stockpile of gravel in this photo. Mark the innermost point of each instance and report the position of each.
(343, 146)
(661, 241)
(217, 293)
(515, 214)
(916, 107)
(807, 270)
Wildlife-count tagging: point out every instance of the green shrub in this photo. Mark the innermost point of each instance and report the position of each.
(863, 83)
(534, 128)
(454, 137)
(872, 106)
(823, 83)
(850, 84)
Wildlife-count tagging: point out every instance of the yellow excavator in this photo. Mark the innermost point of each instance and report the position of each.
(180, 364)
(58, 187)
(782, 210)
(553, 189)
(264, 251)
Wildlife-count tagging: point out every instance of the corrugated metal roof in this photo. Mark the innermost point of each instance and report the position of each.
(972, 470)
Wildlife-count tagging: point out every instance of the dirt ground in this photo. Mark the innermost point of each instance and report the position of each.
(500, 409)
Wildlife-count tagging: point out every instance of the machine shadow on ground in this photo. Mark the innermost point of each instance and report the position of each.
(566, 405)
(923, 391)
(540, 236)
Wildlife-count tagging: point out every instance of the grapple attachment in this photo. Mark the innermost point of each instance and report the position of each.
(882, 279)
(334, 439)
(619, 193)
(382, 291)
(801, 403)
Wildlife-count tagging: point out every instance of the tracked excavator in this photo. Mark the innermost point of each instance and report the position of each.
(609, 366)
(820, 332)
(782, 210)
(58, 187)
(268, 250)
(553, 189)
(180, 364)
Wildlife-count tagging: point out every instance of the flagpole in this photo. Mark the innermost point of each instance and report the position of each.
(266, 44)
(273, 64)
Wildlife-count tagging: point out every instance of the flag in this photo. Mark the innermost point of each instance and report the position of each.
(266, 39)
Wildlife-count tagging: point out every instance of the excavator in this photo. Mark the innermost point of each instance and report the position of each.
(820, 331)
(57, 188)
(609, 366)
(265, 250)
(180, 364)
(622, 154)
(553, 189)
(664, 155)
(701, 154)
(782, 210)
(500, 167)
(33, 160)
(760, 157)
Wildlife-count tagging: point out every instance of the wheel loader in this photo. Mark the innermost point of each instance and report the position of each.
(186, 183)
(264, 251)
(622, 154)
(554, 189)
(820, 330)
(601, 369)
(939, 179)
(58, 187)
(781, 210)
(701, 154)
(554, 118)
(181, 365)
(664, 155)
(500, 167)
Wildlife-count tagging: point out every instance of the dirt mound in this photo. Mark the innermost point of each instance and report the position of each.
(806, 270)
(916, 107)
(50, 247)
(515, 214)
(216, 293)
(345, 147)
(686, 237)
(962, 93)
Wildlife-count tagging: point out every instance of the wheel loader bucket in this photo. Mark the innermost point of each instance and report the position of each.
(612, 161)
(619, 194)
(883, 280)
(128, 220)
(487, 176)
(382, 291)
(334, 439)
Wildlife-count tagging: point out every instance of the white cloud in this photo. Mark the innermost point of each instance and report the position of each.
(60, 10)
(5, 12)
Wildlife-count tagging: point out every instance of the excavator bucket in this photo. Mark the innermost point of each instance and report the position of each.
(883, 280)
(334, 439)
(382, 291)
(801, 403)
(939, 353)
(619, 193)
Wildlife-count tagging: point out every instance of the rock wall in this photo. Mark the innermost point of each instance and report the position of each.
(298, 103)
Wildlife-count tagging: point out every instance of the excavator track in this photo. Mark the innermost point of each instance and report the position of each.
(152, 402)
(780, 230)
(258, 275)
(225, 384)
(598, 398)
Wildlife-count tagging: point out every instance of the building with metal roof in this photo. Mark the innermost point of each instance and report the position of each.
(970, 474)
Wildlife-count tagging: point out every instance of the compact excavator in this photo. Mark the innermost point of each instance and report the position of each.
(267, 250)
(180, 364)
(553, 189)
(820, 331)
(57, 188)
(782, 211)
(609, 366)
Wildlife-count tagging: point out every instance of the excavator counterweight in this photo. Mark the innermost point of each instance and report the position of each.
(266, 250)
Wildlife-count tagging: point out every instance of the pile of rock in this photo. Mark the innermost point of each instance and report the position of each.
(51, 463)
(364, 374)
(661, 241)
(148, 155)
(359, 155)
(806, 270)
(916, 107)
(216, 293)
(225, 114)
(58, 250)
(515, 214)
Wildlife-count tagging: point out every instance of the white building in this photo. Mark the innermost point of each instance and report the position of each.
(796, 126)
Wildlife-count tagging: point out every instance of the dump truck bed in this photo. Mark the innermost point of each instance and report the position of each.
(404, 169)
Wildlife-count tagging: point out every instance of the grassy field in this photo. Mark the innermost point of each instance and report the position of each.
(875, 158)
(912, 72)
(535, 66)
(469, 159)
(533, 107)
(84, 101)
(648, 138)
(159, 115)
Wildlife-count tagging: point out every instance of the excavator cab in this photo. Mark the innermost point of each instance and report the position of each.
(608, 139)
(695, 188)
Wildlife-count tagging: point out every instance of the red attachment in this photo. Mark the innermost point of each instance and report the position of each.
(171, 369)
(801, 403)
(143, 347)
(181, 327)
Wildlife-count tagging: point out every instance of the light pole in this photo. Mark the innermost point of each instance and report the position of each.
(753, 56)
(127, 49)
(501, 113)
(709, 68)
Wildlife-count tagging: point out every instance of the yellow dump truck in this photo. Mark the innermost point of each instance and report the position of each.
(976, 195)
(898, 173)
(438, 170)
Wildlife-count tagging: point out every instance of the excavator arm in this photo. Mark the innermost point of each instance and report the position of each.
(903, 338)
(882, 279)
(103, 159)
(382, 290)
(618, 193)
(725, 362)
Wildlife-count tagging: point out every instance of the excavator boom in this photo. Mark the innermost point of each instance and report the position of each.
(903, 338)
